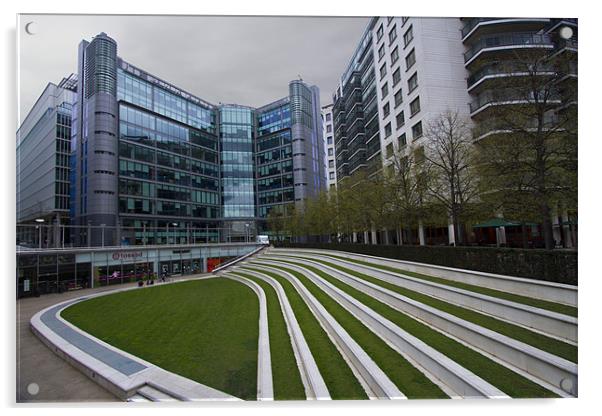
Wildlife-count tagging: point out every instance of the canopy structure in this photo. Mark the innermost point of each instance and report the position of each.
(500, 222)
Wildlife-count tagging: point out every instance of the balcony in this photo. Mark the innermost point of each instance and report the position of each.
(505, 69)
(492, 127)
(505, 97)
(507, 41)
(495, 22)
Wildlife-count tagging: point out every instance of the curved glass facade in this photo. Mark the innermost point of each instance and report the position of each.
(236, 132)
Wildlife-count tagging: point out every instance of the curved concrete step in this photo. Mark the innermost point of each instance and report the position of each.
(155, 395)
(552, 372)
(550, 323)
(538, 289)
(315, 387)
(374, 381)
(444, 371)
(265, 388)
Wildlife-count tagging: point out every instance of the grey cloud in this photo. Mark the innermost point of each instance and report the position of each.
(245, 60)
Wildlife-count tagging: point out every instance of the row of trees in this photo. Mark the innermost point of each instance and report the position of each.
(449, 178)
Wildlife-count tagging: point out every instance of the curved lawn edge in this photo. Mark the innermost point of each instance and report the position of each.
(541, 341)
(340, 380)
(505, 379)
(526, 300)
(198, 339)
(285, 373)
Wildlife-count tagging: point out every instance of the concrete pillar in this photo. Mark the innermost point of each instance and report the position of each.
(365, 237)
(421, 233)
(556, 225)
(399, 236)
(354, 237)
(386, 234)
(374, 237)
(568, 233)
(451, 234)
(502, 235)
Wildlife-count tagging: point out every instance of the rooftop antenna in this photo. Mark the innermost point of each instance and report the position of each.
(300, 79)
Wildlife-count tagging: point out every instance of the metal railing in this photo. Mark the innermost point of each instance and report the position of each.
(506, 96)
(507, 69)
(518, 39)
(59, 236)
(470, 24)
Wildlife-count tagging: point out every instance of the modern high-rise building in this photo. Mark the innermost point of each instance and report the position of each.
(43, 150)
(330, 165)
(153, 163)
(406, 71)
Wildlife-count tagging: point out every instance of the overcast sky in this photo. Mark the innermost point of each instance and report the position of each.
(242, 60)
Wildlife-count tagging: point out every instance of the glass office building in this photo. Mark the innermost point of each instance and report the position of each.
(156, 164)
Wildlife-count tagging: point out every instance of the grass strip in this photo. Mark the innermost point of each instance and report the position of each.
(537, 303)
(285, 373)
(206, 330)
(537, 340)
(339, 378)
(496, 374)
(412, 382)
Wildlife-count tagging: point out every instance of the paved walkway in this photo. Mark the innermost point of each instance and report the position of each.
(57, 381)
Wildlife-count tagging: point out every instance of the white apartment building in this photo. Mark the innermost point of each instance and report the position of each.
(420, 74)
(330, 166)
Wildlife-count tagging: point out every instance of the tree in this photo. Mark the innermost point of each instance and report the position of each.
(408, 182)
(448, 152)
(531, 164)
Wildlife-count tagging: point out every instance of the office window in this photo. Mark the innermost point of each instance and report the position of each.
(415, 107)
(392, 35)
(413, 82)
(408, 36)
(400, 119)
(330, 152)
(379, 32)
(396, 77)
(331, 163)
(417, 130)
(383, 71)
(329, 128)
(404, 20)
(389, 19)
(402, 140)
(384, 90)
(329, 140)
(394, 55)
(398, 98)
(386, 110)
(381, 51)
(388, 130)
(328, 116)
(411, 59)
(331, 176)
(389, 150)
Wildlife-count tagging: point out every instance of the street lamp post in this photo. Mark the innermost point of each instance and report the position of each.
(39, 227)
(175, 235)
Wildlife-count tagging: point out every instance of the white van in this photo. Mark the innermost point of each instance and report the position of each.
(263, 239)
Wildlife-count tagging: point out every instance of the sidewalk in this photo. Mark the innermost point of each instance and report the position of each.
(57, 380)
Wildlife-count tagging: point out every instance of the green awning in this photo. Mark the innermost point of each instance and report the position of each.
(497, 222)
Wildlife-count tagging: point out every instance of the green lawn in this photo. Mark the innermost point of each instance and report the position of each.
(410, 381)
(205, 330)
(537, 303)
(537, 340)
(337, 375)
(285, 373)
(503, 378)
